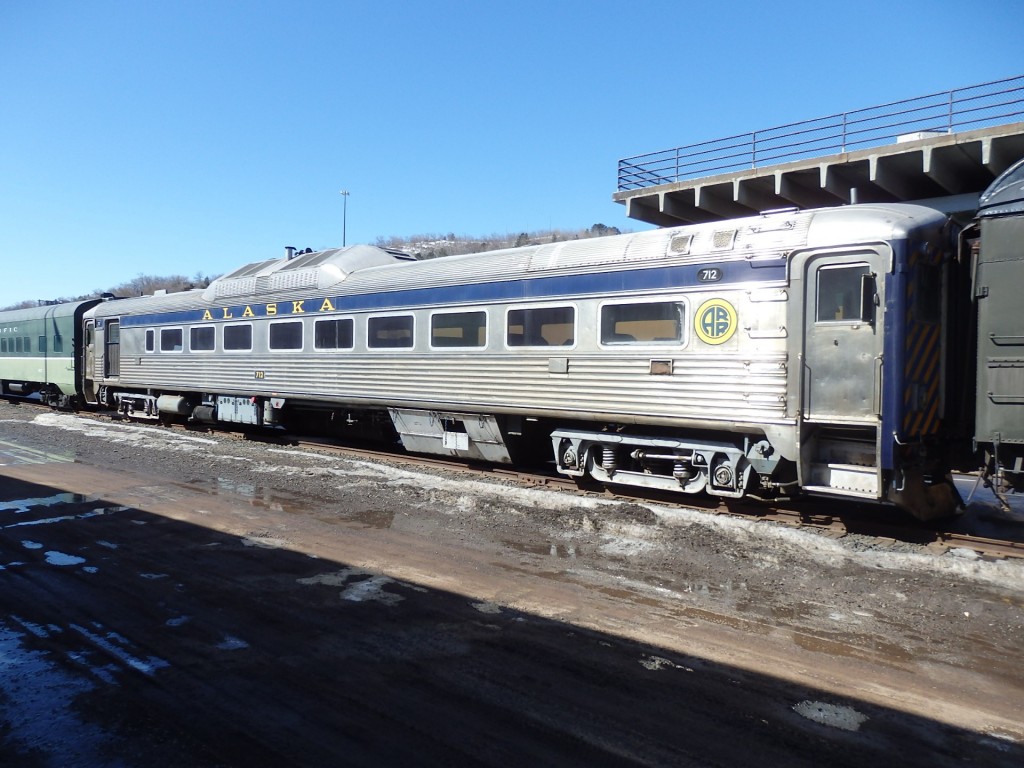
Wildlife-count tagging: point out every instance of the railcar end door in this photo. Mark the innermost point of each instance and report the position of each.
(842, 344)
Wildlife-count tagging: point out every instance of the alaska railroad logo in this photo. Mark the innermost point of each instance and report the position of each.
(715, 321)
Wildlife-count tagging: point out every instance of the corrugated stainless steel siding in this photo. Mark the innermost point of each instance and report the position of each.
(726, 388)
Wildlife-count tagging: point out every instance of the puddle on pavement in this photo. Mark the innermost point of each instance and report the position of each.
(257, 495)
(380, 519)
(19, 506)
(753, 625)
(786, 611)
(632, 597)
(853, 646)
(263, 497)
(371, 518)
(546, 549)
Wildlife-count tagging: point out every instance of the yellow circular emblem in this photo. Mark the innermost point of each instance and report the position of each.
(715, 321)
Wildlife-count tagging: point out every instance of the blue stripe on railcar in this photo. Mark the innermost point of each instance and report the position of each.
(892, 354)
(525, 289)
(912, 349)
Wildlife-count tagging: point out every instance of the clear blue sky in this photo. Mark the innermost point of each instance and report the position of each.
(145, 137)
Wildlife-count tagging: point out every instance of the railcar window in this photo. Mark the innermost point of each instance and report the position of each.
(541, 327)
(238, 338)
(286, 335)
(150, 340)
(659, 322)
(333, 334)
(42, 345)
(112, 356)
(458, 329)
(390, 332)
(58, 343)
(3, 345)
(201, 338)
(171, 339)
(17, 344)
(839, 293)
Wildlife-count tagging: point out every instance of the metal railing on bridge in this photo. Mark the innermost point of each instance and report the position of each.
(977, 106)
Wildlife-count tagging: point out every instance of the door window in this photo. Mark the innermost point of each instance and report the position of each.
(840, 294)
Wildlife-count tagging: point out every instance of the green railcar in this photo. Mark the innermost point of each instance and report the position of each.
(998, 267)
(41, 352)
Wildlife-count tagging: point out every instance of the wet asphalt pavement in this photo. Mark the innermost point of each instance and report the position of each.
(156, 619)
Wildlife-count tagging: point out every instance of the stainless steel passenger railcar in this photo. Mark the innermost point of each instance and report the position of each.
(797, 350)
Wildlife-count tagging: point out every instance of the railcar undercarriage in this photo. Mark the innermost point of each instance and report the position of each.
(723, 467)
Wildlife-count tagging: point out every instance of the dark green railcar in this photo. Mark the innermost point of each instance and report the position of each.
(41, 352)
(998, 268)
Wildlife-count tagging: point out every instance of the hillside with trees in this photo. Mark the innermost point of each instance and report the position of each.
(138, 286)
(427, 246)
(431, 246)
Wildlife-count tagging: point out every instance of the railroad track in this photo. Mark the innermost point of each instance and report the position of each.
(811, 513)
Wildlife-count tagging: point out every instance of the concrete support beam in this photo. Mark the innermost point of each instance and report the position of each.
(686, 211)
(639, 208)
(839, 180)
(1000, 152)
(899, 175)
(939, 167)
(755, 195)
(929, 167)
(803, 189)
(722, 205)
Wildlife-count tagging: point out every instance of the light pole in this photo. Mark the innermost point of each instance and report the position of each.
(344, 218)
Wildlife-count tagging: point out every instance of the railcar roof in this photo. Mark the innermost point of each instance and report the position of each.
(316, 270)
(160, 302)
(367, 269)
(46, 311)
(1005, 194)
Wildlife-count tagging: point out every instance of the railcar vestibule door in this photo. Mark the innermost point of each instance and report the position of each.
(89, 361)
(112, 353)
(842, 336)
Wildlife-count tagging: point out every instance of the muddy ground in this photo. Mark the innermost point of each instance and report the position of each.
(196, 599)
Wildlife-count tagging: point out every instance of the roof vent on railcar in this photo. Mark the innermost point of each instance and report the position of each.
(305, 269)
(723, 239)
(680, 244)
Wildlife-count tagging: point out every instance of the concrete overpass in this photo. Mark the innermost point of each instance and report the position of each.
(941, 150)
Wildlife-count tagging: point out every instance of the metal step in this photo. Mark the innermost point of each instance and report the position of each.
(847, 479)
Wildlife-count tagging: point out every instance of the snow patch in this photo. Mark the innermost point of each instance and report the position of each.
(44, 717)
(366, 589)
(492, 608)
(656, 663)
(116, 645)
(231, 643)
(833, 715)
(53, 557)
(122, 432)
